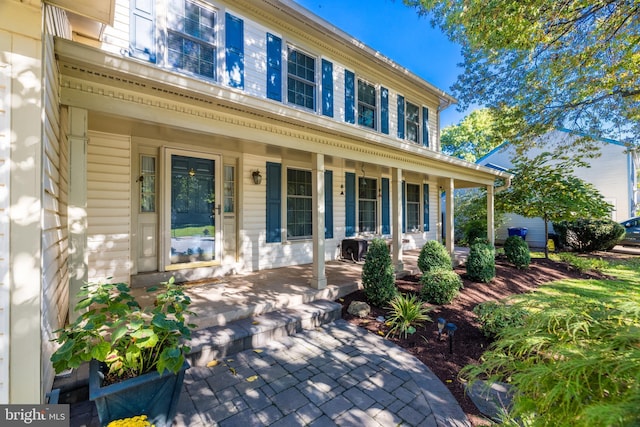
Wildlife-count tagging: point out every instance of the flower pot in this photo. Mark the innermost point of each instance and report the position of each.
(150, 394)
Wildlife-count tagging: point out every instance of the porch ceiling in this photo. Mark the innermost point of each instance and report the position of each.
(156, 100)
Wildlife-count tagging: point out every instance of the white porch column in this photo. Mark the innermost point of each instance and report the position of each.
(77, 208)
(319, 278)
(449, 236)
(491, 235)
(396, 220)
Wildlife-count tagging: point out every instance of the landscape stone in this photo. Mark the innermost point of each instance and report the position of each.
(359, 309)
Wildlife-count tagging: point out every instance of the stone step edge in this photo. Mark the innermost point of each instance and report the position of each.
(224, 340)
(257, 331)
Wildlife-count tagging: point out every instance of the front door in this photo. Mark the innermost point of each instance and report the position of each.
(191, 231)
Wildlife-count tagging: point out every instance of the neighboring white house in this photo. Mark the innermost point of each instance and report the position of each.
(614, 174)
(197, 138)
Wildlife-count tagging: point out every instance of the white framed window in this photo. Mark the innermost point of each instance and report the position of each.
(367, 205)
(413, 207)
(301, 79)
(367, 105)
(192, 38)
(412, 122)
(147, 184)
(299, 204)
(229, 189)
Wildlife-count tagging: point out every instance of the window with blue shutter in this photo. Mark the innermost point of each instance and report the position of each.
(349, 97)
(425, 210)
(141, 30)
(274, 205)
(234, 50)
(386, 206)
(327, 88)
(350, 204)
(384, 110)
(274, 67)
(425, 126)
(401, 117)
(404, 207)
(328, 204)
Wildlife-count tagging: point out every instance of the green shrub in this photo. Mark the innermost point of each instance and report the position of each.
(407, 312)
(517, 251)
(440, 286)
(588, 235)
(378, 275)
(494, 317)
(475, 229)
(481, 263)
(434, 256)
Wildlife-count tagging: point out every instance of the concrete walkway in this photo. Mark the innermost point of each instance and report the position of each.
(335, 375)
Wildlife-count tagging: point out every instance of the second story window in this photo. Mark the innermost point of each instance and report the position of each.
(191, 38)
(366, 105)
(301, 79)
(412, 122)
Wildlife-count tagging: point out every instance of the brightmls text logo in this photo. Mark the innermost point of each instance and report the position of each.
(34, 415)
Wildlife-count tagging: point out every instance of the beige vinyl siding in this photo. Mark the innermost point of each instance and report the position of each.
(55, 181)
(116, 37)
(255, 58)
(5, 144)
(109, 206)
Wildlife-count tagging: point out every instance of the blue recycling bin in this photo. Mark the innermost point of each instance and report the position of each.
(518, 231)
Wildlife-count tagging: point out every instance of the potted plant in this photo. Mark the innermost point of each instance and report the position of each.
(129, 349)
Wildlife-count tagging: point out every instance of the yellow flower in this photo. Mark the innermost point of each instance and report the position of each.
(137, 421)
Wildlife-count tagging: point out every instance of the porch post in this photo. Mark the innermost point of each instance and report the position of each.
(396, 221)
(449, 236)
(319, 278)
(491, 235)
(77, 208)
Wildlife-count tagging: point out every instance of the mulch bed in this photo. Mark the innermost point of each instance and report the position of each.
(469, 343)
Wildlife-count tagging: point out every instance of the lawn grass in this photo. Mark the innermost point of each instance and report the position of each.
(576, 360)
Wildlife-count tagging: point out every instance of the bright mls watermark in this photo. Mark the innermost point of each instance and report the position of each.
(34, 415)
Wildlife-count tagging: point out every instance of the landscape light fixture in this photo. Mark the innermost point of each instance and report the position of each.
(451, 328)
(441, 323)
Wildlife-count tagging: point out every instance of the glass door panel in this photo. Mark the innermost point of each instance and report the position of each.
(193, 219)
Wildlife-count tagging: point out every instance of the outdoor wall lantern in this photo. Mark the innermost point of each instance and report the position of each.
(257, 177)
(451, 328)
(441, 323)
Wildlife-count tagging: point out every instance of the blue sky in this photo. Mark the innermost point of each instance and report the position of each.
(397, 32)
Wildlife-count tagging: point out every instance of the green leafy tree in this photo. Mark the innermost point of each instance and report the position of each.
(545, 187)
(472, 138)
(543, 64)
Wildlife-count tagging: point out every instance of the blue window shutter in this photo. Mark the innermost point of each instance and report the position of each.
(234, 51)
(404, 207)
(349, 97)
(274, 67)
(425, 126)
(425, 208)
(350, 204)
(328, 204)
(401, 117)
(274, 205)
(386, 214)
(141, 30)
(327, 88)
(384, 110)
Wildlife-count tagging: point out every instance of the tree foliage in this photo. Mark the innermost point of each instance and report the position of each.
(472, 138)
(544, 186)
(543, 64)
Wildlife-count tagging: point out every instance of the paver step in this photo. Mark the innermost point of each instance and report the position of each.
(253, 332)
(224, 340)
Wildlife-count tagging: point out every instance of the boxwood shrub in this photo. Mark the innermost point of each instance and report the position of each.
(440, 286)
(434, 256)
(517, 251)
(481, 263)
(378, 274)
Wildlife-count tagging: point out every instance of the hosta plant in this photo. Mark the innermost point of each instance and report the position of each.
(131, 340)
(406, 312)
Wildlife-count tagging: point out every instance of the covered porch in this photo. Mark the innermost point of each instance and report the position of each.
(219, 301)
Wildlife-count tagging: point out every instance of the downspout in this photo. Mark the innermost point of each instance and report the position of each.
(507, 184)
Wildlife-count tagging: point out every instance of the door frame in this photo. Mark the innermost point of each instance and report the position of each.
(164, 256)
